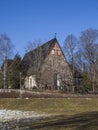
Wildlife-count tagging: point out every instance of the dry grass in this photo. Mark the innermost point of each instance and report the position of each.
(69, 113)
(83, 121)
(53, 105)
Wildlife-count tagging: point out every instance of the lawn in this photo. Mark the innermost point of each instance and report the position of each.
(60, 106)
(67, 113)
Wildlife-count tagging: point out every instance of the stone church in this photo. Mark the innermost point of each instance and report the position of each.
(46, 67)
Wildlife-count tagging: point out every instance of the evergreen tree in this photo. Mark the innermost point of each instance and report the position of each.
(1, 79)
(14, 72)
(86, 81)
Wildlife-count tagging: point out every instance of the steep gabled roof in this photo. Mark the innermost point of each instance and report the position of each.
(31, 57)
(44, 49)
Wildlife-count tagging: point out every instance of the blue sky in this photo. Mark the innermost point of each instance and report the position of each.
(29, 20)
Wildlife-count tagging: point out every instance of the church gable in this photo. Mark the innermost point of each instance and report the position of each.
(56, 59)
(56, 51)
(51, 68)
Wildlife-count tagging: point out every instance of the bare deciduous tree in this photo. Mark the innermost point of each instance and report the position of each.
(79, 60)
(70, 45)
(34, 59)
(6, 46)
(89, 45)
(5, 51)
(32, 45)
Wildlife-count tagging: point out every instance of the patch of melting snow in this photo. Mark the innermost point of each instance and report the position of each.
(7, 115)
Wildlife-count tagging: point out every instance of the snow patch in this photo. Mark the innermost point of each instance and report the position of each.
(7, 115)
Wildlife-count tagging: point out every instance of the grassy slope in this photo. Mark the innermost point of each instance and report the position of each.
(57, 106)
(69, 108)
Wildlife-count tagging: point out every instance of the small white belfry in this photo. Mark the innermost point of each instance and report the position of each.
(30, 82)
